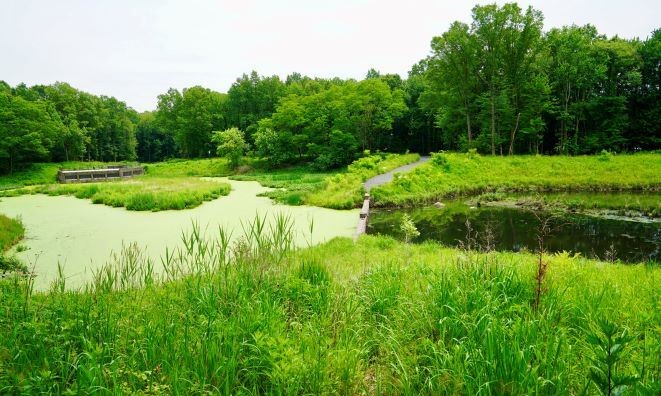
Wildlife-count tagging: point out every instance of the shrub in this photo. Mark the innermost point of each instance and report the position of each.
(439, 159)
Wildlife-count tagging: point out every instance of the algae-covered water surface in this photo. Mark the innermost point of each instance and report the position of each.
(82, 236)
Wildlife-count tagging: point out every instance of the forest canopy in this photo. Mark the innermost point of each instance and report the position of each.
(499, 84)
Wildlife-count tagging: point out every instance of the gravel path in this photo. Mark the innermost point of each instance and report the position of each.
(386, 177)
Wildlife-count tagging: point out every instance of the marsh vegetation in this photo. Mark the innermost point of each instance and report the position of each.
(257, 316)
(222, 290)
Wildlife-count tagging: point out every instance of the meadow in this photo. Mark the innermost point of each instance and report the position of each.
(172, 185)
(451, 174)
(342, 189)
(376, 317)
(176, 184)
(140, 193)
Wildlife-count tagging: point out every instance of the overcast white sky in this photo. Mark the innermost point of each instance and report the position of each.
(137, 49)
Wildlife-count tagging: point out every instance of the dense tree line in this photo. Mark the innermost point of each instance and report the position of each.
(503, 86)
(60, 123)
(500, 85)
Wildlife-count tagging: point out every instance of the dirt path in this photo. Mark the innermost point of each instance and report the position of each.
(386, 177)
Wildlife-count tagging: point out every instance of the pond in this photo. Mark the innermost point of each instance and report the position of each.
(506, 228)
(81, 236)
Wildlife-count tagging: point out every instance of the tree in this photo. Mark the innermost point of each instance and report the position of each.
(488, 77)
(452, 77)
(509, 44)
(153, 142)
(644, 103)
(231, 144)
(253, 97)
(347, 114)
(190, 116)
(574, 73)
(27, 130)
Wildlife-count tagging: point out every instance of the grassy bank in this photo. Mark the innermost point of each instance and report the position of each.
(375, 317)
(339, 190)
(618, 203)
(171, 185)
(450, 175)
(176, 185)
(11, 232)
(140, 193)
(212, 167)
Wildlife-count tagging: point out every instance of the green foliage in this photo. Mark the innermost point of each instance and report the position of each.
(154, 143)
(345, 190)
(609, 348)
(502, 86)
(330, 126)
(439, 159)
(145, 193)
(468, 175)
(252, 98)
(338, 190)
(255, 316)
(291, 186)
(11, 232)
(231, 144)
(340, 150)
(11, 264)
(190, 116)
(59, 123)
(27, 131)
(213, 167)
(408, 228)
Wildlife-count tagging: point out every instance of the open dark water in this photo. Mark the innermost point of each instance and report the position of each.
(517, 229)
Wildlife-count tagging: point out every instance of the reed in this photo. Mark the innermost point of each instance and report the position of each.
(251, 314)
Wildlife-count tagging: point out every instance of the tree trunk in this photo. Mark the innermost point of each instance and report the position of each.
(493, 124)
(513, 134)
(468, 123)
(563, 123)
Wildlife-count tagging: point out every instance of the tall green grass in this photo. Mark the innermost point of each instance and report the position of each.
(140, 193)
(11, 231)
(174, 184)
(621, 202)
(212, 167)
(291, 185)
(450, 175)
(255, 316)
(339, 190)
(345, 191)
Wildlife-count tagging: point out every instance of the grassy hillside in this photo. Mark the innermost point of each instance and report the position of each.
(464, 174)
(373, 317)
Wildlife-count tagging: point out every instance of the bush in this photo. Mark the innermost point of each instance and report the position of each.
(439, 159)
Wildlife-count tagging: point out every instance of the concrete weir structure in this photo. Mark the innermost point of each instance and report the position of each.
(94, 175)
(364, 216)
